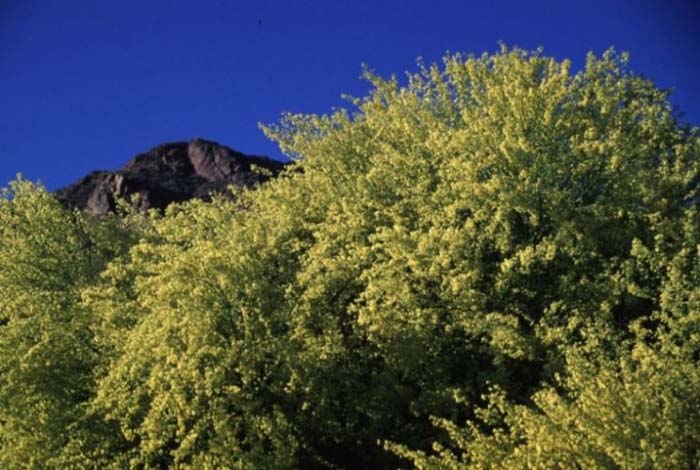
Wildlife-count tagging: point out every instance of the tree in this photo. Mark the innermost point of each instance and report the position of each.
(479, 224)
(191, 376)
(629, 402)
(470, 228)
(497, 227)
(48, 353)
(45, 356)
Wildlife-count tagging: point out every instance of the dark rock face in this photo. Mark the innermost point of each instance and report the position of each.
(173, 172)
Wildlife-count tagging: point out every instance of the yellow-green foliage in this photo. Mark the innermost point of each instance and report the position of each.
(638, 412)
(47, 256)
(499, 242)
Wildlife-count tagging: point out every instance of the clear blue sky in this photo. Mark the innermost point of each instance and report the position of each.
(86, 85)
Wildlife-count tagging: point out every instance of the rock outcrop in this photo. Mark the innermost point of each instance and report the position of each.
(172, 172)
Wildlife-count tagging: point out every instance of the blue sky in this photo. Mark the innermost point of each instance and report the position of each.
(86, 85)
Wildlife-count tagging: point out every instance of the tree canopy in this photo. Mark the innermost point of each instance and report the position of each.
(493, 264)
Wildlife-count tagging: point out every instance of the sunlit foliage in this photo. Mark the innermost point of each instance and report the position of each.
(497, 260)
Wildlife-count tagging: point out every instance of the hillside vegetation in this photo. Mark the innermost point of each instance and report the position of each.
(494, 266)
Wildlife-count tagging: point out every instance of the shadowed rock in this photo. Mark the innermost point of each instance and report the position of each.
(172, 172)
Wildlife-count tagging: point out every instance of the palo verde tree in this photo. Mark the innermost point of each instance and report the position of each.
(498, 241)
(47, 350)
(468, 230)
(483, 219)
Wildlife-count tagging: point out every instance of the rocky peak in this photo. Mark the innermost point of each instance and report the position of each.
(171, 172)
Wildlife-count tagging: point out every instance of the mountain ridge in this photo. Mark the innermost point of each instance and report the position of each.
(170, 172)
